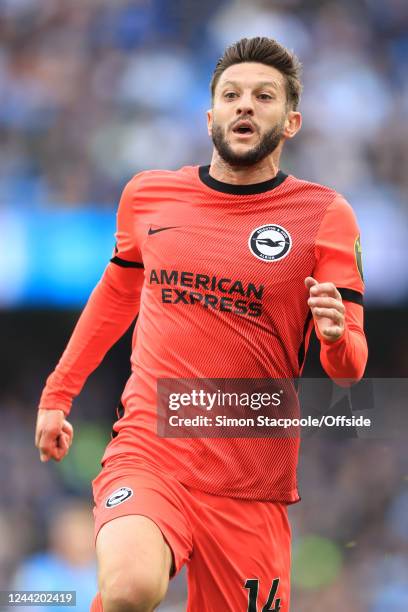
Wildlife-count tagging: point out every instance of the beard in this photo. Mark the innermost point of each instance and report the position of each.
(267, 145)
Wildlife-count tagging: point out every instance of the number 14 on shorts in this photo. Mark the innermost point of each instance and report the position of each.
(252, 584)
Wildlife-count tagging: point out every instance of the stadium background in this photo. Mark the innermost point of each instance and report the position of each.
(92, 91)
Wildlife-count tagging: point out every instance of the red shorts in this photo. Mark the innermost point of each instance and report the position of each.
(237, 551)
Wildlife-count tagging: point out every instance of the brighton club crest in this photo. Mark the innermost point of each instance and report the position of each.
(270, 242)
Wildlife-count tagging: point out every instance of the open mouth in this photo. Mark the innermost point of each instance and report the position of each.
(243, 128)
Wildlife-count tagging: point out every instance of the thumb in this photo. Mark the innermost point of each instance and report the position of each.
(68, 429)
(310, 282)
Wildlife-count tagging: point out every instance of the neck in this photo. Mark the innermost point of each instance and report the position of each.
(245, 175)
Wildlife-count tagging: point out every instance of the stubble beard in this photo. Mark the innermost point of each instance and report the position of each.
(267, 145)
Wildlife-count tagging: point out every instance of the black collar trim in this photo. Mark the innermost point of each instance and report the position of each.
(207, 179)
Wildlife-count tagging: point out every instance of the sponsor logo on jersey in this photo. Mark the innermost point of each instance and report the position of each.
(270, 242)
(118, 497)
(211, 292)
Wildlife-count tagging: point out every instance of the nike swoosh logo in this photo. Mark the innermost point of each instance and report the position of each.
(160, 229)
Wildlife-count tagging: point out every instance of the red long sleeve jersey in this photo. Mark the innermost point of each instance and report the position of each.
(217, 273)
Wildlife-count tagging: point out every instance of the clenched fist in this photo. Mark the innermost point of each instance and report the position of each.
(53, 434)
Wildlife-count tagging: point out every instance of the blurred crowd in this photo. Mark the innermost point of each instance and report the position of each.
(350, 534)
(93, 91)
(355, 499)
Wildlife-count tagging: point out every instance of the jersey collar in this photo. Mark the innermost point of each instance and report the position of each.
(204, 174)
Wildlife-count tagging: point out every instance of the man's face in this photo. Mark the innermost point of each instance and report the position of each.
(249, 113)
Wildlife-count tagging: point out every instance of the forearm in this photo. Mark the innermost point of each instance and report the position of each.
(110, 310)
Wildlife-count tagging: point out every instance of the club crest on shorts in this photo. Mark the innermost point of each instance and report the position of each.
(118, 497)
(270, 242)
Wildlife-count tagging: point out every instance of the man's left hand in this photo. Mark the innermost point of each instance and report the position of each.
(327, 308)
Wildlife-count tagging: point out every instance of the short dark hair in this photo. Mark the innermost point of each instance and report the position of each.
(264, 51)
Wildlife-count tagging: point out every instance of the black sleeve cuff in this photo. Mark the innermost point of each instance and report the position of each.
(350, 295)
(123, 263)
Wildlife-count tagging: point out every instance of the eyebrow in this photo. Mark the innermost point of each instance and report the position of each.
(271, 84)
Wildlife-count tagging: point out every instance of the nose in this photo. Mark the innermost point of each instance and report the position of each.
(245, 106)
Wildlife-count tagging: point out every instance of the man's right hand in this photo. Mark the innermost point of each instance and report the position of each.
(53, 434)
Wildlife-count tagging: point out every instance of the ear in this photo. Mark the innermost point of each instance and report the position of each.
(293, 123)
(209, 121)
